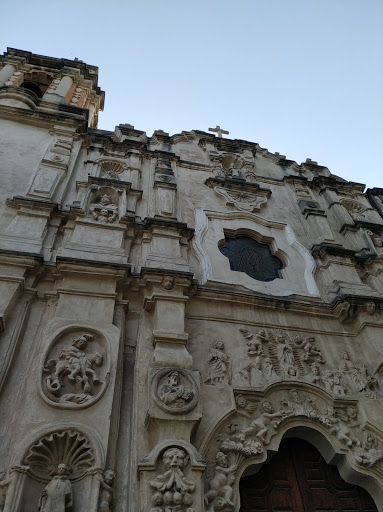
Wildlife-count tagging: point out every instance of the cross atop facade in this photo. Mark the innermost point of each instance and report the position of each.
(219, 131)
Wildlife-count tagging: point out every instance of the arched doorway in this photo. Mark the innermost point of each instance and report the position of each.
(298, 479)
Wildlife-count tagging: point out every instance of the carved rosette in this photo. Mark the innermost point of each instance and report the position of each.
(76, 369)
(174, 390)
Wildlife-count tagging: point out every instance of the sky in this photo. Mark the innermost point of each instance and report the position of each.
(301, 77)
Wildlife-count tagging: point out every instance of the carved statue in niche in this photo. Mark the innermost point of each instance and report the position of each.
(105, 211)
(57, 495)
(221, 490)
(172, 393)
(357, 380)
(106, 491)
(77, 367)
(173, 490)
(217, 364)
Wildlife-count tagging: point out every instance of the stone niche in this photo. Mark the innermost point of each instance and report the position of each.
(295, 267)
(61, 468)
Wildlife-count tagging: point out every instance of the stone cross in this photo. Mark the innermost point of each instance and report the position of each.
(219, 131)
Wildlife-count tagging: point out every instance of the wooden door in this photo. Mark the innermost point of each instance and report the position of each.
(297, 479)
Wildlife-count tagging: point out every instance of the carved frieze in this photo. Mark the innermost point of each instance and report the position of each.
(272, 356)
(75, 370)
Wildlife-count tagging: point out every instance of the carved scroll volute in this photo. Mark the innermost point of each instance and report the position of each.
(170, 478)
(76, 369)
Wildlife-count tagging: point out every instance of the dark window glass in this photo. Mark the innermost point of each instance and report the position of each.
(252, 257)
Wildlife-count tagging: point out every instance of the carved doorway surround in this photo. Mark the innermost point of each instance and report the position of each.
(298, 479)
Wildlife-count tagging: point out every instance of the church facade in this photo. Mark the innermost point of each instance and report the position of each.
(173, 308)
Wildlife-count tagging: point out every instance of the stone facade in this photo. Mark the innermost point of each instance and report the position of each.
(172, 306)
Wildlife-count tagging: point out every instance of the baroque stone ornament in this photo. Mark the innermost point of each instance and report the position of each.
(68, 447)
(217, 364)
(57, 495)
(243, 200)
(106, 491)
(105, 211)
(174, 390)
(73, 372)
(250, 437)
(275, 355)
(172, 490)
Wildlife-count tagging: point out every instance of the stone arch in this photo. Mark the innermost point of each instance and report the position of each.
(247, 438)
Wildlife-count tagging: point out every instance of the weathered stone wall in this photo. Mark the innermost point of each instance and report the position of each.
(172, 306)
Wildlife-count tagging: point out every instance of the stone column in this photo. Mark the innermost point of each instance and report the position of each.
(5, 73)
(57, 93)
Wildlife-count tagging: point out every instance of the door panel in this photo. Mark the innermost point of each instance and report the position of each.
(297, 479)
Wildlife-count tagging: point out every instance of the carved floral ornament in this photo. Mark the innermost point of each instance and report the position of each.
(243, 438)
(271, 356)
(75, 372)
(243, 200)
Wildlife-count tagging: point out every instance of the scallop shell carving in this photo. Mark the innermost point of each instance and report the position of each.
(112, 168)
(67, 447)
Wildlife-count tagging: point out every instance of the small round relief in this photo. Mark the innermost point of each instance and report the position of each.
(174, 390)
(75, 372)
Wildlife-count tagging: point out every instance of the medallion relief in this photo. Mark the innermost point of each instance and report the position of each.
(174, 390)
(75, 370)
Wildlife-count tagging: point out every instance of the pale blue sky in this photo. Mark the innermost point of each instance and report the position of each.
(301, 77)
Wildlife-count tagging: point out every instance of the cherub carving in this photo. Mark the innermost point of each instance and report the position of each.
(335, 421)
(368, 454)
(76, 365)
(310, 352)
(333, 383)
(254, 343)
(298, 405)
(265, 425)
(106, 491)
(105, 211)
(220, 493)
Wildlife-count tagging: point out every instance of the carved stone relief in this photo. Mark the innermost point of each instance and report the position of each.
(172, 489)
(75, 372)
(104, 210)
(68, 447)
(252, 434)
(57, 495)
(243, 200)
(217, 363)
(174, 390)
(273, 355)
(106, 491)
(355, 208)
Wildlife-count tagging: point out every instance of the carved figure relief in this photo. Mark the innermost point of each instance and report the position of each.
(75, 369)
(218, 362)
(167, 282)
(106, 491)
(57, 495)
(104, 211)
(173, 491)
(238, 442)
(275, 355)
(175, 390)
(357, 379)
